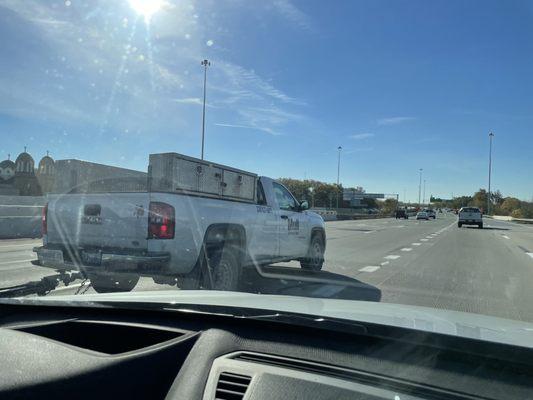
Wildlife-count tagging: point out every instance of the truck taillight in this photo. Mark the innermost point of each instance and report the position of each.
(44, 220)
(161, 221)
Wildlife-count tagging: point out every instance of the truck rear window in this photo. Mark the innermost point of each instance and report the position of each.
(470, 210)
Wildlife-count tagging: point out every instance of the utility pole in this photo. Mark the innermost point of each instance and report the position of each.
(338, 173)
(206, 64)
(491, 135)
(419, 186)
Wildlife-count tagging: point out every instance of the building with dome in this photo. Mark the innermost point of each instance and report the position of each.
(46, 173)
(21, 178)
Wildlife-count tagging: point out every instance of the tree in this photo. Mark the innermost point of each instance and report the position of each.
(479, 199)
(389, 206)
(509, 205)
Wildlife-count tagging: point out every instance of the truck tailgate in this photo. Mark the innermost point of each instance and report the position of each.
(114, 220)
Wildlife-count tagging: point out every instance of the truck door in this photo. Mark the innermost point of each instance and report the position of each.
(293, 240)
(264, 239)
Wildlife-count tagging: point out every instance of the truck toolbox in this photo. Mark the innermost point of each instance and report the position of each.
(175, 173)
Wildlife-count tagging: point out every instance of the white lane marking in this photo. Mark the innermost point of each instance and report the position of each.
(370, 268)
(384, 263)
(392, 257)
(416, 244)
(423, 240)
(506, 237)
(368, 232)
(17, 261)
(429, 237)
(406, 249)
(530, 254)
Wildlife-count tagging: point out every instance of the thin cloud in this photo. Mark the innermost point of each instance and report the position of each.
(257, 128)
(293, 14)
(394, 120)
(361, 136)
(189, 100)
(358, 150)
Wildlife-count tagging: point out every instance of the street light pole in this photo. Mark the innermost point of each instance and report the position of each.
(206, 64)
(338, 173)
(491, 135)
(419, 186)
(424, 196)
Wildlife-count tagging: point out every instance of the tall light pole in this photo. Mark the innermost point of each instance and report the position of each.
(206, 64)
(419, 185)
(424, 195)
(491, 135)
(338, 173)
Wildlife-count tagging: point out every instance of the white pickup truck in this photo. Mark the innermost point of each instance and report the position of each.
(470, 216)
(188, 239)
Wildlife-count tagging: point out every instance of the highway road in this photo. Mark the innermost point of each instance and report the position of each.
(425, 263)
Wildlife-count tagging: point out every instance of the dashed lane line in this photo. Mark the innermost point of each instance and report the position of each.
(416, 244)
(530, 254)
(384, 263)
(369, 268)
(506, 237)
(424, 240)
(392, 257)
(406, 249)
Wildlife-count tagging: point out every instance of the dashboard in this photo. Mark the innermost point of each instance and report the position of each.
(82, 352)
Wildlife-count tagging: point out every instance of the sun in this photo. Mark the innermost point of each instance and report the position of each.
(146, 8)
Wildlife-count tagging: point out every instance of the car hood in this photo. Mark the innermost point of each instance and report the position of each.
(475, 326)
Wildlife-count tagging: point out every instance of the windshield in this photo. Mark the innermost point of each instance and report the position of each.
(299, 148)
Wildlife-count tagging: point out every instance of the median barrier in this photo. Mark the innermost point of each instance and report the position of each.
(510, 219)
(20, 216)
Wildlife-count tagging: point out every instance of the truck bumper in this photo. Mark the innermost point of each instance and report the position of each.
(79, 260)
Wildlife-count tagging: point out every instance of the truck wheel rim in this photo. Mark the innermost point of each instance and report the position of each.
(223, 275)
(317, 253)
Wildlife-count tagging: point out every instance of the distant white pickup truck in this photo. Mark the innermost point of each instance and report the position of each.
(470, 216)
(192, 237)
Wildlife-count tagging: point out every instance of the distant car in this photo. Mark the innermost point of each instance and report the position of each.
(422, 215)
(431, 213)
(401, 214)
(470, 216)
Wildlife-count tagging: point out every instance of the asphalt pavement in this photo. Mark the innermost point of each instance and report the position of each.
(427, 263)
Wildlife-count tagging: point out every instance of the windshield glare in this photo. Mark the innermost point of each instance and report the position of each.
(359, 151)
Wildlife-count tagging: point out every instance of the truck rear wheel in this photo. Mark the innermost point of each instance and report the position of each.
(113, 283)
(315, 255)
(223, 271)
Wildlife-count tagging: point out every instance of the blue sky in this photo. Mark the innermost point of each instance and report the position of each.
(400, 85)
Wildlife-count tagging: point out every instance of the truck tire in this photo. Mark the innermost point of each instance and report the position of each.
(113, 283)
(459, 224)
(223, 270)
(315, 255)
(480, 226)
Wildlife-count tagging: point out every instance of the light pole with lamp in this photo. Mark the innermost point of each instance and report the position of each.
(338, 173)
(205, 64)
(491, 135)
(419, 186)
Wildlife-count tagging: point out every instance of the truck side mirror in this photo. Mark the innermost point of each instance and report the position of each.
(304, 205)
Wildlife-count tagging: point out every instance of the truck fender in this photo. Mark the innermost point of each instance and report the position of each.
(217, 236)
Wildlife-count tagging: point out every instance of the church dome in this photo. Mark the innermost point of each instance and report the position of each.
(24, 163)
(7, 169)
(46, 165)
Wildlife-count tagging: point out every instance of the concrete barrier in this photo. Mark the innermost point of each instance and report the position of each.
(20, 216)
(510, 219)
(327, 215)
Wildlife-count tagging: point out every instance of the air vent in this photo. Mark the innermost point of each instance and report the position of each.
(232, 386)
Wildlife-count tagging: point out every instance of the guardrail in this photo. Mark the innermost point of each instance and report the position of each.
(345, 214)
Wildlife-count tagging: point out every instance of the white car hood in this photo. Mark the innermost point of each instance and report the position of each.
(475, 326)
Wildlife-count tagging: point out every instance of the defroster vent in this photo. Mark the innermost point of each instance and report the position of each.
(232, 386)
